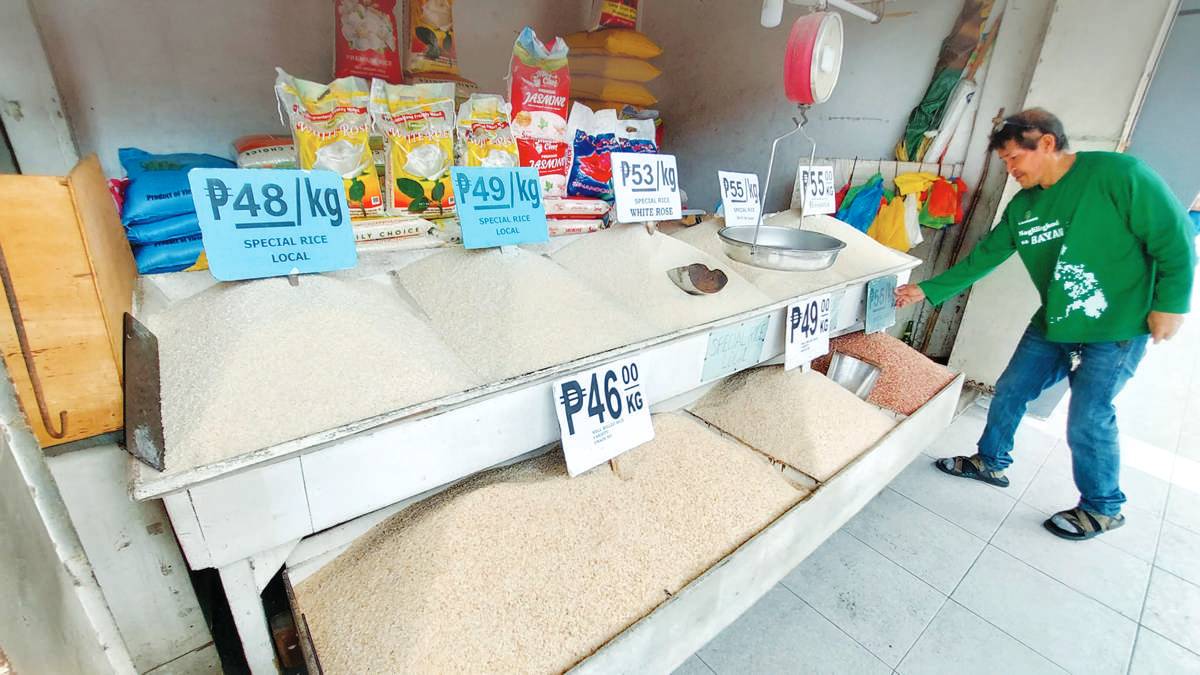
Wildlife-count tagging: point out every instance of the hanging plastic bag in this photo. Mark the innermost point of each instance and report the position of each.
(366, 40)
(417, 122)
(484, 133)
(331, 128)
(860, 208)
(540, 89)
(888, 227)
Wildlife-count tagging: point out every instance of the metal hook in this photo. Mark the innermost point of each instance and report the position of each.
(27, 354)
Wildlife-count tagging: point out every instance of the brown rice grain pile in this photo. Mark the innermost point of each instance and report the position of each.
(631, 267)
(523, 569)
(907, 378)
(802, 419)
(511, 314)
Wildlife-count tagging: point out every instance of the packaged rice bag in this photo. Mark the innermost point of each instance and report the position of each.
(431, 46)
(265, 151)
(158, 184)
(614, 14)
(367, 40)
(540, 86)
(595, 136)
(417, 123)
(484, 135)
(330, 128)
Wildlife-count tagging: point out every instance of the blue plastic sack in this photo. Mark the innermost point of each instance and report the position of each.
(166, 229)
(158, 184)
(168, 256)
(861, 212)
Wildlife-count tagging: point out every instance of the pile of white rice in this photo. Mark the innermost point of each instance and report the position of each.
(802, 419)
(526, 570)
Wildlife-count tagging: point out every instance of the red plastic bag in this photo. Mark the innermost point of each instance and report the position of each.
(367, 40)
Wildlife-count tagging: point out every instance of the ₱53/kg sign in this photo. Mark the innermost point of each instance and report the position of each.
(646, 187)
(499, 206)
(602, 412)
(272, 222)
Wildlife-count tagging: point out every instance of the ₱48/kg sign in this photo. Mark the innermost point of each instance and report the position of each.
(602, 412)
(646, 187)
(272, 222)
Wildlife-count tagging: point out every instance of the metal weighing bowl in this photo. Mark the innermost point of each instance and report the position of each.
(856, 375)
(781, 248)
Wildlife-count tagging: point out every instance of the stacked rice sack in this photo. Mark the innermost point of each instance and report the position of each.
(610, 68)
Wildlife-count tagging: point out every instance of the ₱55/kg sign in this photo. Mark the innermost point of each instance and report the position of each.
(646, 187)
(499, 206)
(272, 222)
(602, 412)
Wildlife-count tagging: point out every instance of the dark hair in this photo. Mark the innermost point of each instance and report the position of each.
(1017, 128)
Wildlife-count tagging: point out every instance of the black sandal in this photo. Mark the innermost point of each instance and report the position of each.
(971, 467)
(1085, 523)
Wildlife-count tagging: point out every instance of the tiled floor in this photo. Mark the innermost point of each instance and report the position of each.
(943, 575)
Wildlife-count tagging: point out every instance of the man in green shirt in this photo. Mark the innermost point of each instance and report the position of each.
(1110, 251)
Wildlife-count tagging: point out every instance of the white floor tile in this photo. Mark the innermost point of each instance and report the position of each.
(782, 634)
(1183, 508)
(1031, 445)
(866, 595)
(970, 504)
(1052, 492)
(1144, 478)
(1173, 609)
(1093, 568)
(1046, 615)
(1189, 444)
(915, 538)
(961, 436)
(1179, 552)
(693, 666)
(1156, 655)
(959, 642)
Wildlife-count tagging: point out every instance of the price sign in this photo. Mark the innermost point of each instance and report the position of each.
(817, 190)
(646, 187)
(808, 324)
(734, 348)
(602, 413)
(499, 206)
(739, 195)
(881, 303)
(272, 222)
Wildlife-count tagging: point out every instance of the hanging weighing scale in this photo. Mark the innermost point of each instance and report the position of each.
(810, 72)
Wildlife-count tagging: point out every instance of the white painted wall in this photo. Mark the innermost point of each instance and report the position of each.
(722, 97)
(176, 76)
(53, 618)
(1091, 72)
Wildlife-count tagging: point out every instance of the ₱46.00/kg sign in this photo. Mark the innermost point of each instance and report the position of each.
(602, 412)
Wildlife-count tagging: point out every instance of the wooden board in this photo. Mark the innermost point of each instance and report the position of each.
(60, 299)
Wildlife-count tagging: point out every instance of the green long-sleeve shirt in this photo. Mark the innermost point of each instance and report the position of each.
(1105, 245)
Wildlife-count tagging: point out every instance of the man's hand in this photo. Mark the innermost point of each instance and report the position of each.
(908, 294)
(1163, 325)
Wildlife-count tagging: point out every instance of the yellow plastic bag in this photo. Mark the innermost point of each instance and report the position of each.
(417, 123)
(614, 67)
(888, 227)
(484, 134)
(616, 42)
(330, 129)
(592, 87)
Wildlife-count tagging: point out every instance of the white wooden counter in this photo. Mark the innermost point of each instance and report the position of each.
(245, 515)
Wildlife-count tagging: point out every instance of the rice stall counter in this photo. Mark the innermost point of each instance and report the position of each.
(250, 511)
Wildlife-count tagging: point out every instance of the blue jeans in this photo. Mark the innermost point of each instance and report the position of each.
(1103, 369)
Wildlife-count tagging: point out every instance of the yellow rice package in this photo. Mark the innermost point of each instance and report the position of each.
(484, 135)
(330, 127)
(431, 45)
(417, 123)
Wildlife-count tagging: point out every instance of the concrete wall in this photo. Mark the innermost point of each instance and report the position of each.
(1165, 135)
(174, 76)
(722, 97)
(1092, 70)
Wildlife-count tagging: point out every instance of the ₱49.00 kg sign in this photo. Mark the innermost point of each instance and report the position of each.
(602, 412)
(272, 222)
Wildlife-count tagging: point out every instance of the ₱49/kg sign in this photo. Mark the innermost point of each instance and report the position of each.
(499, 206)
(259, 223)
(646, 187)
(807, 330)
(602, 412)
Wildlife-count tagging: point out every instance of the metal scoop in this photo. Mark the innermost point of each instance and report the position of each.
(698, 279)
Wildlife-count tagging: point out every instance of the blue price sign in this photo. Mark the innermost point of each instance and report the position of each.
(499, 206)
(734, 348)
(272, 222)
(881, 303)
